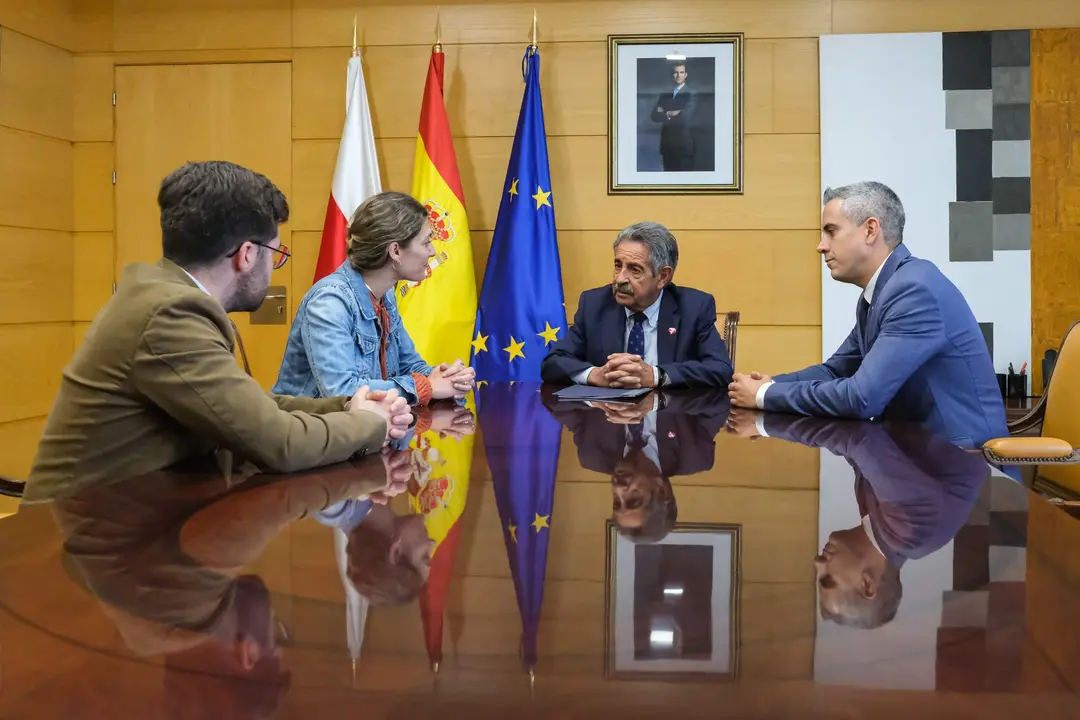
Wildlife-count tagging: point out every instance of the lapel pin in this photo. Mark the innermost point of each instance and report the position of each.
(671, 434)
(671, 331)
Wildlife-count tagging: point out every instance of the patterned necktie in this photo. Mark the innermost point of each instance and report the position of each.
(635, 344)
(636, 439)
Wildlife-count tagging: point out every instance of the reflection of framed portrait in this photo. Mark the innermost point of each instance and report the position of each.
(675, 113)
(673, 605)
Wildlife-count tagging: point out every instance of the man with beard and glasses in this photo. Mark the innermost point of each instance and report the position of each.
(156, 380)
(642, 330)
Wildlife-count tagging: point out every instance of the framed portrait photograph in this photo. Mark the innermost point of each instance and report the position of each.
(673, 605)
(675, 109)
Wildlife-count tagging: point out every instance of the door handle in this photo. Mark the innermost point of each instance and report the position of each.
(277, 297)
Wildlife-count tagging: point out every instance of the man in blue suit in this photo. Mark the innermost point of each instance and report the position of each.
(916, 353)
(642, 330)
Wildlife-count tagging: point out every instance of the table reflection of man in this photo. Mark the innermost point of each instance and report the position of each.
(164, 555)
(642, 445)
(915, 491)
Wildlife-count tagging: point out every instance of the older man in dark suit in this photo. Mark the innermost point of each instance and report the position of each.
(642, 330)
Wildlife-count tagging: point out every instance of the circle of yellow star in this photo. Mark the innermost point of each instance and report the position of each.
(515, 349)
(541, 197)
(549, 333)
(513, 188)
(541, 521)
(513, 532)
(480, 343)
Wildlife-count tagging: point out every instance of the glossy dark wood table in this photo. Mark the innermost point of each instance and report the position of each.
(576, 572)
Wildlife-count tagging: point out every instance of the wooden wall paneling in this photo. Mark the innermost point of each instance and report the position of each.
(32, 357)
(778, 629)
(93, 26)
(94, 204)
(78, 334)
(94, 265)
(35, 86)
(35, 181)
(1055, 190)
(35, 276)
(756, 272)
(18, 445)
(483, 88)
(46, 20)
(93, 98)
(888, 16)
(201, 25)
(777, 349)
(321, 23)
(782, 181)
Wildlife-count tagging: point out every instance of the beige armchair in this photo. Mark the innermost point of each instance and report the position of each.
(1057, 418)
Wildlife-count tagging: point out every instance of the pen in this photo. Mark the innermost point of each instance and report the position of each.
(1023, 369)
(1011, 369)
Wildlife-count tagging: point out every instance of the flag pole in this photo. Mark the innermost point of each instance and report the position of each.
(438, 30)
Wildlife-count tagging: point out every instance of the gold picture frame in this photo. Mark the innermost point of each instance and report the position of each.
(682, 656)
(688, 142)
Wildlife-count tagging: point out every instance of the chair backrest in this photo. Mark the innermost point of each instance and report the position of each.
(730, 334)
(1062, 414)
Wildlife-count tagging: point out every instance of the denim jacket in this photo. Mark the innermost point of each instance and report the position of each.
(333, 346)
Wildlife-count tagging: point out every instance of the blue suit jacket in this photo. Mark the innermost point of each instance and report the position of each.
(921, 358)
(693, 356)
(918, 489)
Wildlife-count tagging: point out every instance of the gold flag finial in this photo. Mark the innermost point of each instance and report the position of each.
(435, 668)
(533, 46)
(438, 29)
(355, 47)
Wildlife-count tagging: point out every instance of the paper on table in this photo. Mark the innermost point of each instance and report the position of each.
(589, 392)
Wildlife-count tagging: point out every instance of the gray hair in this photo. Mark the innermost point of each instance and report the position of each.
(864, 200)
(663, 250)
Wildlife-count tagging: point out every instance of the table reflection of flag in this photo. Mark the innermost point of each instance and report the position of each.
(521, 440)
(356, 605)
(438, 492)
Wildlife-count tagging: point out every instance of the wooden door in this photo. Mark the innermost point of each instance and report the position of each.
(167, 115)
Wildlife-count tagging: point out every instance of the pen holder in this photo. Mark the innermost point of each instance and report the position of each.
(1003, 385)
(1017, 385)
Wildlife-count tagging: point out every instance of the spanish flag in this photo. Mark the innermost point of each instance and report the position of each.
(439, 311)
(438, 491)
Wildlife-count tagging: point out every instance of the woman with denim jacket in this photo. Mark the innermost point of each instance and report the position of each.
(347, 332)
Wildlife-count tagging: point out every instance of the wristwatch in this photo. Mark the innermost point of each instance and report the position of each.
(661, 377)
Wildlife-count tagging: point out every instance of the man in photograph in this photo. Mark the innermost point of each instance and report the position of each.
(675, 113)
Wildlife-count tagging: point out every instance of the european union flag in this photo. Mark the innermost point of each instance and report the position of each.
(521, 311)
(521, 439)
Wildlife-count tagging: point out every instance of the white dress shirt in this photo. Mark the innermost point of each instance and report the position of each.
(652, 317)
(868, 294)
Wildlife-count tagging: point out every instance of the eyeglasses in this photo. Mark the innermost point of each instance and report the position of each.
(280, 263)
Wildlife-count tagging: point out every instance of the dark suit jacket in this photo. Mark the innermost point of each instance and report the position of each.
(917, 488)
(156, 382)
(920, 358)
(677, 133)
(686, 429)
(694, 355)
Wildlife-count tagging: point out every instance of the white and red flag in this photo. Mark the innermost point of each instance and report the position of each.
(356, 177)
